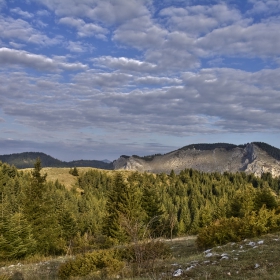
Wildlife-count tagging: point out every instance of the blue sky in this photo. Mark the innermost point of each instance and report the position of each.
(95, 79)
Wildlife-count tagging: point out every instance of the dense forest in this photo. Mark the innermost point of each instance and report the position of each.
(102, 210)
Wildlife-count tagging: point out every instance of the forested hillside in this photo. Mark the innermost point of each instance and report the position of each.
(40, 217)
(27, 160)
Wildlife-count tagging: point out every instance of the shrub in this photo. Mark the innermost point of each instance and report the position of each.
(101, 263)
(235, 229)
(219, 232)
(142, 255)
(145, 251)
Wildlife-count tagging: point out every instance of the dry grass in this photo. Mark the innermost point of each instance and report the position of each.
(257, 259)
(66, 179)
(244, 260)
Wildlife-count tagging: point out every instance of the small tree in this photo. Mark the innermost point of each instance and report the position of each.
(74, 171)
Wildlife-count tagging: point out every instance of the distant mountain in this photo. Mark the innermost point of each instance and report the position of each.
(106, 161)
(27, 160)
(256, 157)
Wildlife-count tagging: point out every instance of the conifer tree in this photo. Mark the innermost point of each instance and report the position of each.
(265, 196)
(123, 210)
(19, 238)
(152, 206)
(39, 210)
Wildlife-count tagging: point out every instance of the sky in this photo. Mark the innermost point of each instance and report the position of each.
(96, 79)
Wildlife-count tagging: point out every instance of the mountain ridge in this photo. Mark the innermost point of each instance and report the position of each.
(255, 157)
(27, 160)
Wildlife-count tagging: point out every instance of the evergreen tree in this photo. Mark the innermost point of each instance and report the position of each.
(19, 238)
(123, 210)
(265, 196)
(152, 206)
(39, 209)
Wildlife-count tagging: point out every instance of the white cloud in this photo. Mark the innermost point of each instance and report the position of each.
(74, 22)
(141, 33)
(21, 30)
(261, 39)
(76, 47)
(22, 58)
(22, 13)
(84, 29)
(43, 13)
(146, 79)
(200, 19)
(167, 50)
(232, 101)
(125, 64)
(264, 7)
(16, 45)
(108, 12)
(103, 80)
(160, 81)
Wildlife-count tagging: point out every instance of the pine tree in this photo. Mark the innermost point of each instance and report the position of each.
(265, 196)
(39, 209)
(123, 210)
(16, 238)
(152, 206)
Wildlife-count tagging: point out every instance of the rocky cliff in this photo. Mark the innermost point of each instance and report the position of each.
(250, 158)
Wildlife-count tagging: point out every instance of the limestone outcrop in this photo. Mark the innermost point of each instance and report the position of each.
(249, 158)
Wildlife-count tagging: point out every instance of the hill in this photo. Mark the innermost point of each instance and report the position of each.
(27, 160)
(256, 157)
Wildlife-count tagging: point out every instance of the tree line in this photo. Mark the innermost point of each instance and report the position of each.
(105, 209)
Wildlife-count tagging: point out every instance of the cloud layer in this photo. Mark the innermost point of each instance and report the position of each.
(139, 76)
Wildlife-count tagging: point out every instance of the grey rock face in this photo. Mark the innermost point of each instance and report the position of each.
(250, 159)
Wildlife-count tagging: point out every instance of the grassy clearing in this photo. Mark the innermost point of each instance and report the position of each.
(65, 178)
(256, 259)
(60, 174)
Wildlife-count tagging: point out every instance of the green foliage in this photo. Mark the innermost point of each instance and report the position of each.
(220, 232)
(74, 171)
(123, 210)
(110, 262)
(101, 263)
(152, 207)
(39, 208)
(211, 146)
(235, 229)
(16, 240)
(106, 208)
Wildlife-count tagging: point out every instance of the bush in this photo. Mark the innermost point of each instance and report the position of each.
(220, 232)
(235, 229)
(145, 251)
(142, 255)
(101, 263)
